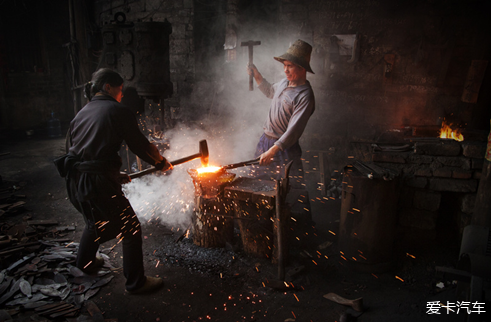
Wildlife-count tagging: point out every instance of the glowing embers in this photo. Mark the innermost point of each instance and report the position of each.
(209, 181)
(446, 132)
(206, 170)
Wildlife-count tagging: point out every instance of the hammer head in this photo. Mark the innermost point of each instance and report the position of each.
(203, 151)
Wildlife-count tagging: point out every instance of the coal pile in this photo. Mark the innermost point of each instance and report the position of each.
(223, 262)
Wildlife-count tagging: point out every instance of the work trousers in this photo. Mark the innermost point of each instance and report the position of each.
(109, 215)
(298, 197)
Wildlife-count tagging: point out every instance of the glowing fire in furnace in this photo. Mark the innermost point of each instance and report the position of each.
(446, 132)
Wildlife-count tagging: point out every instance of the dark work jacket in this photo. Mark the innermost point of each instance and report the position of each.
(99, 129)
(96, 135)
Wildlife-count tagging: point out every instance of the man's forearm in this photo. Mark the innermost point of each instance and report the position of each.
(267, 156)
(258, 77)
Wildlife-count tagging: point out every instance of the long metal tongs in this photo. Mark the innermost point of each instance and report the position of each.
(241, 164)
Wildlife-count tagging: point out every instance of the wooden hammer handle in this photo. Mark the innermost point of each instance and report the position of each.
(153, 169)
(251, 82)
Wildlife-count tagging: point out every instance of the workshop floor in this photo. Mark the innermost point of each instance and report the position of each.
(234, 291)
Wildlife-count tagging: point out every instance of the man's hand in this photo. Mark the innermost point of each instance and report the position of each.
(164, 165)
(123, 178)
(252, 71)
(267, 156)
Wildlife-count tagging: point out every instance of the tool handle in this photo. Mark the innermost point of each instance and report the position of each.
(251, 83)
(142, 173)
(241, 164)
(153, 169)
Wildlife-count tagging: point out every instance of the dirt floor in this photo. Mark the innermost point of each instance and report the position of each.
(226, 284)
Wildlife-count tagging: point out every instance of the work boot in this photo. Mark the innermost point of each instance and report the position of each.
(94, 266)
(151, 284)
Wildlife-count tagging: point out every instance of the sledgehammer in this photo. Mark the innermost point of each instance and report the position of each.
(203, 154)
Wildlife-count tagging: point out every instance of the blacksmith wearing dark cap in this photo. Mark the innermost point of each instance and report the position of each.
(292, 105)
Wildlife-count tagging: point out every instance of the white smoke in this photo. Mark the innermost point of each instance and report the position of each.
(231, 120)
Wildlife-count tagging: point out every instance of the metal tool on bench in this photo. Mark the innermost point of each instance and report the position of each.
(202, 154)
(373, 171)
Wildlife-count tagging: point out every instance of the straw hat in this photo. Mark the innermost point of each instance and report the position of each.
(299, 54)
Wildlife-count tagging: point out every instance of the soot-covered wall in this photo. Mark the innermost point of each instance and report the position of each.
(33, 64)
(409, 66)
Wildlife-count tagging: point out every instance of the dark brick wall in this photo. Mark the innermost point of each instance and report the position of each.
(431, 173)
(32, 94)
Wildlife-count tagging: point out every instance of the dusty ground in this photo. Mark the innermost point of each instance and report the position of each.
(222, 285)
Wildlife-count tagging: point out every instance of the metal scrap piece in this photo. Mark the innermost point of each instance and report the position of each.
(60, 278)
(102, 282)
(75, 271)
(91, 292)
(14, 289)
(54, 286)
(79, 299)
(5, 285)
(25, 300)
(44, 281)
(20, 262)
(33, 305)
(25, 288)
(50, 292)
(64, 294)
(82, 288)
(84, 279)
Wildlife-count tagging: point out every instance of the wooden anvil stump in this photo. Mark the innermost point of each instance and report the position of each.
(254, 204)
(213, 224)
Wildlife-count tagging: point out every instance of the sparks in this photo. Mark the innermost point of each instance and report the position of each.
(87, 264)
(400, 279)
(296, 297)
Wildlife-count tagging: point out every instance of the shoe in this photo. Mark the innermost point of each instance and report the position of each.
(94, 266)
(151, 284)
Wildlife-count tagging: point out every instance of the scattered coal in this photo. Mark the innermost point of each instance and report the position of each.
(224, 262)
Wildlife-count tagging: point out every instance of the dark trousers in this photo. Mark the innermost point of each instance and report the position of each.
(108, 216)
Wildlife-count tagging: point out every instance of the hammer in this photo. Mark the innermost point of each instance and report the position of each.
(203, 154)
(250, 44)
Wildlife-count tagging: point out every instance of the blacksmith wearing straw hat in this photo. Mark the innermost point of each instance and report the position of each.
(292, 105)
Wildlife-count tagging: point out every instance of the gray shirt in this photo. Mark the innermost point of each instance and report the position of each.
(290, 111)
